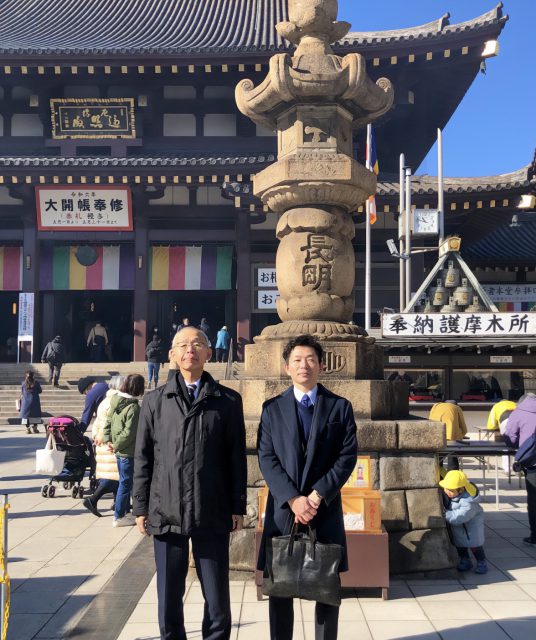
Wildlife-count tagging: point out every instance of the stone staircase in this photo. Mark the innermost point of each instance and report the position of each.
(66, 399)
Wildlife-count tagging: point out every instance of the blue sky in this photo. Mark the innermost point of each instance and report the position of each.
(494, 129)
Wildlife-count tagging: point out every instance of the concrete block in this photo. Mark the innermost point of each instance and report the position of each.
(425, 509)
(394, 511)
(255, 478)
(408, 472)
(420, 550)
(421, 435)
(251, 517)
(242, 550)
(376, 435)
(252, 427)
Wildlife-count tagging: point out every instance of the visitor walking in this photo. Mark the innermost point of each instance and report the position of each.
(97, 341)
(155, 356)
(223, 339)
(30, 403)
(54, 356)
(106, 470)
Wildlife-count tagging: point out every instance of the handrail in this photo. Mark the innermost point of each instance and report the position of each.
(229, 365)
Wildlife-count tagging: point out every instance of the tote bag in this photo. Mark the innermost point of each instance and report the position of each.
(298, 566)
(49, 461)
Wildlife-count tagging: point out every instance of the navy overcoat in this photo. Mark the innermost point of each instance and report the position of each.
(290, 470)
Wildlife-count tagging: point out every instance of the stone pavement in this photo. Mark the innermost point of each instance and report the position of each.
(61, 557)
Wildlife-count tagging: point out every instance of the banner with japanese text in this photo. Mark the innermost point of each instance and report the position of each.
(83, 208)
(457, 325)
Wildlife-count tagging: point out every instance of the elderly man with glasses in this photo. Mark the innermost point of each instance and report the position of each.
(190, 484)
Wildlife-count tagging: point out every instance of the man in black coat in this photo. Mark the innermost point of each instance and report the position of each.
(190, 480)
(307, 450)
(54, 356)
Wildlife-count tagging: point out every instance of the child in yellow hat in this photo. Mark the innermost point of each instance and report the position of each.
(465, 517)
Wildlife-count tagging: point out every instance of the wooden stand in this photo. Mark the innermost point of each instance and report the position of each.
(368, 561)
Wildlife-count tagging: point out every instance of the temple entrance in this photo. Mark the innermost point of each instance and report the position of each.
(76, 312)
(8, 325)
(170, 307)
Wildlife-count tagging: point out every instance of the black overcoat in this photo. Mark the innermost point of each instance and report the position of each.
(190, 470)
(289, 470)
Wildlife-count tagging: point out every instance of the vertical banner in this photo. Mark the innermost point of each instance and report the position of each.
(26, 322)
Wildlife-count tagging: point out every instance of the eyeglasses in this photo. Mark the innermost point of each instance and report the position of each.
(196, 346)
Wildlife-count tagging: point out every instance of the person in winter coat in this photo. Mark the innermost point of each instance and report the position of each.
(205, 328)
(465, 517)
(154, 354)
(120, 434)
(106, 470)
(54, 356)
(223, 339)
(95, 393)
(97, 341)
(30, 403)
(190, 477)
(521, 425)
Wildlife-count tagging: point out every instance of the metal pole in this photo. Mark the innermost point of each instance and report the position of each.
(3, 595)
(440, 194)
(408, 235)
(401, 205)
(367, 240)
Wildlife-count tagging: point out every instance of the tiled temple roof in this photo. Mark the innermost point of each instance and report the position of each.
(180, 27)
(507, 243)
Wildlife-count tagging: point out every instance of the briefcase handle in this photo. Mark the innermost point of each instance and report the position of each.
(294, 535)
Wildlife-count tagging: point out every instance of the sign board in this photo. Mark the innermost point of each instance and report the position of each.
(458, 325)
(266, 299)
(399, 359)
(92, 118)
(266, 277)
(83, 208)
(26, 322)
(511, 292)
(501, 359)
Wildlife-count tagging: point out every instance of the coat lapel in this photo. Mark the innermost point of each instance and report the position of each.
(290, 419)
(323, 406)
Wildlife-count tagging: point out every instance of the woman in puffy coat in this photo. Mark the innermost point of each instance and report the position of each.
(106, 471)
(30, 403)
(120, 434)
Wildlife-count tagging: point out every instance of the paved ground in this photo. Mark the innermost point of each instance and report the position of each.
(61, 557)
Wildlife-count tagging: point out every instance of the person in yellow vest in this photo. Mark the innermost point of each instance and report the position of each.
(494, 418)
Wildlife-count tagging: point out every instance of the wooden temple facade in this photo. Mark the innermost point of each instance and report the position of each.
(125, 170)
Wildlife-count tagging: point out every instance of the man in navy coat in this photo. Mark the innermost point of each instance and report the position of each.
(307, 450)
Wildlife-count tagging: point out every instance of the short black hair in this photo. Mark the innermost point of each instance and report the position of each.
(304, 340)
(134, 385)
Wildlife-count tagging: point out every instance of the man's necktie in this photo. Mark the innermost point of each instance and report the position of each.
(191, 392)
(305, 410)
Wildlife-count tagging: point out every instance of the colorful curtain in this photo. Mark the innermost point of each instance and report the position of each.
(516, 306)
(10, 268)
(113, 269)
(190, 268)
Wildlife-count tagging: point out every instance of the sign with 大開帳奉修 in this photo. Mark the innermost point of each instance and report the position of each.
(457, 325)
(84, 208)
(92, 118)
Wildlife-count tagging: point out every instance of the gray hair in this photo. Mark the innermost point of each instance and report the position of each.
(200, 331)
(116, 382)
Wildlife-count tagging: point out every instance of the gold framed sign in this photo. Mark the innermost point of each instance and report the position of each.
(92, 118)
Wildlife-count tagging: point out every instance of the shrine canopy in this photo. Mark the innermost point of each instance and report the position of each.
(452, 306)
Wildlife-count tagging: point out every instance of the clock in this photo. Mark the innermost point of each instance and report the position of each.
(425, 222)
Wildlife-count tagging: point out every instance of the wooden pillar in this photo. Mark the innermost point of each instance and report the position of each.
(141, 289)
(30, 275)
(243, 281)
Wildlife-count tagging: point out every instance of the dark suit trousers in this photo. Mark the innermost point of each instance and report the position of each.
(211, 555)
(282, 620)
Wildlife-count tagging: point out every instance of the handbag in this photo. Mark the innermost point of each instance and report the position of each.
(298, 566)
(49, 461)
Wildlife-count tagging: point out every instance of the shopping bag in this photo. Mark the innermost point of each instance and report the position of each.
(298, 566)
(17, 404)
(49, 461)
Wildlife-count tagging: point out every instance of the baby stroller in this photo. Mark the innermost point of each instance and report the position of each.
(79, 457)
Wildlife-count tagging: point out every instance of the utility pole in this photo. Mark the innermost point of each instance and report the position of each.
(401, 219)
(440, 193)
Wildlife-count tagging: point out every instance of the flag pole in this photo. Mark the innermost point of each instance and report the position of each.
(367, 237)
(440, 192)
(401, 218)
(408, 235)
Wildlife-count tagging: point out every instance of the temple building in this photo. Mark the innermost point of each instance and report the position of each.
(125, 174)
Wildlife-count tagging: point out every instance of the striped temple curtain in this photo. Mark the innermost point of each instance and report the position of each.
(10, 268)
(61, 271)
(205, 268)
